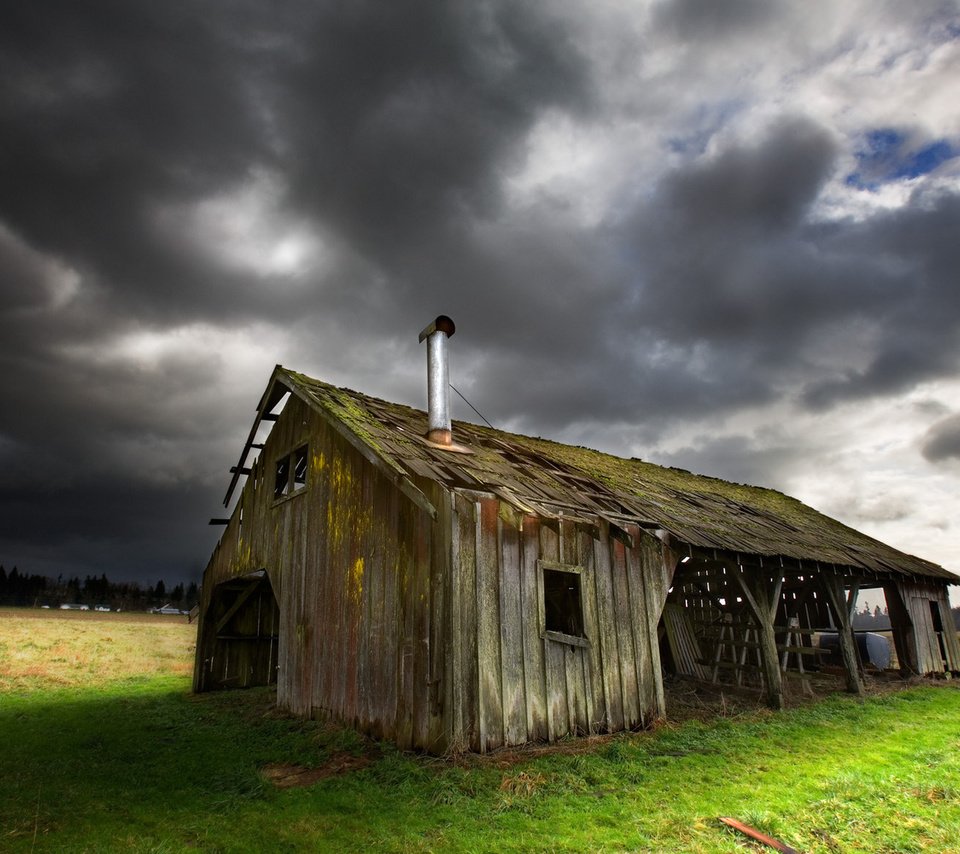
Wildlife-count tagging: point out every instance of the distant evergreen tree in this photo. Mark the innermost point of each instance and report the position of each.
(21, 589)
(871, 622)
(13, 587)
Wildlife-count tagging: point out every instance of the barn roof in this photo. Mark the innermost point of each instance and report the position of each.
(552, 479)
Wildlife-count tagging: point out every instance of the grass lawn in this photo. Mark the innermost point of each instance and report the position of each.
(103, 748)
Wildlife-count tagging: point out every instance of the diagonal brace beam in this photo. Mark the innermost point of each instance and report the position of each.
(758, 603)
(236, 606)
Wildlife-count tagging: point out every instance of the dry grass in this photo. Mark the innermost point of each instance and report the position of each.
(46, 649)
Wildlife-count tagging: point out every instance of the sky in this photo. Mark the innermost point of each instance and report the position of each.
(722, 237)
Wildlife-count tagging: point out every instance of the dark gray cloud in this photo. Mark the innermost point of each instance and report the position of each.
(942, 440)
(720, 249)
(738, 458)
(397, 118)
(911, 300)
(164, 167)
(386, 129)
(701, 19)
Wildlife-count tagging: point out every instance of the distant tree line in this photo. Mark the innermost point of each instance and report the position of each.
(879, 621)
(19, 588)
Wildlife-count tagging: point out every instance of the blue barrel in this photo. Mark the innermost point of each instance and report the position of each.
(874, 648)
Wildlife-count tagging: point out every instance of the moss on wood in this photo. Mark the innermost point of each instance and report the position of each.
(702, 511)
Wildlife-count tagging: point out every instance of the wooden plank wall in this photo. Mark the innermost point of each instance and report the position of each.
(427, 633)
(936, 652)
(351, 561)
(510, 684)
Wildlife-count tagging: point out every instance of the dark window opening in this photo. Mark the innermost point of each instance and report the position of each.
(300, 467)
(281, 485)
(563, 604)
(291, 474)
(937, 618)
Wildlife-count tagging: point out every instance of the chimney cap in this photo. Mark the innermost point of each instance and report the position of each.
(441, 324)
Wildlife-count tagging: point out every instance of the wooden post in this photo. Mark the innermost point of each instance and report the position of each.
(795, 641)
(725, 639)
(763, 611)
(904, 640)
(833, 587)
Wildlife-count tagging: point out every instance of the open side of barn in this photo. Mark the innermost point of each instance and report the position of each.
(514, 589)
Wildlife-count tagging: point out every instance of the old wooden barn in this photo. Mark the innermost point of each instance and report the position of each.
(473, 589)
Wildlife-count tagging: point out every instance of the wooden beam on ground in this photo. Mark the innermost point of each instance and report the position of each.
(755, 834)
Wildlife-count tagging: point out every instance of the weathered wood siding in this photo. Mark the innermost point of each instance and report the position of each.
(936, 651)
(511, 684)
(351, 561)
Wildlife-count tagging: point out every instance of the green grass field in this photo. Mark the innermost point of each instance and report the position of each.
(103, 748)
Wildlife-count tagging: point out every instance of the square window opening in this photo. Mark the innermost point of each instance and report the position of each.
(563, 603)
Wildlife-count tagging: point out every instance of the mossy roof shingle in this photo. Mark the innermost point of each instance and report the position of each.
(549, 477)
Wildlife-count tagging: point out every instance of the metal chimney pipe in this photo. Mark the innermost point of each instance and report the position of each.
(438, 380)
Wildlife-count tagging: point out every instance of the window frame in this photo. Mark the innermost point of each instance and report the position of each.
(550, 634)
(293, 485)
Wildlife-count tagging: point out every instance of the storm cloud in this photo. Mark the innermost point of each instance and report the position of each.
(713, 236)
(942, 440)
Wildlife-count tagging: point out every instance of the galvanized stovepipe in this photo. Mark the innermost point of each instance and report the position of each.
(438, 380)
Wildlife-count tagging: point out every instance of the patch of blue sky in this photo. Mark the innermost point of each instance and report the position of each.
(926, 159)
(886, 155)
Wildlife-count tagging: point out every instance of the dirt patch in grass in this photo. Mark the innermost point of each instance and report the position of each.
(294, 776)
